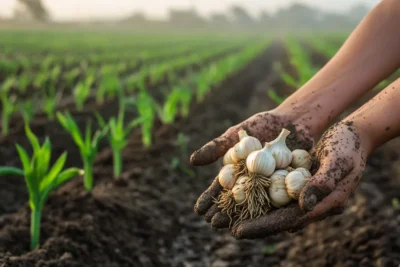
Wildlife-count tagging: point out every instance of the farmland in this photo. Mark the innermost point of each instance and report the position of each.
(128, 109)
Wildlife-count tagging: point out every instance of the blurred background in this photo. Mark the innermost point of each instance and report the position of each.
(252, 15)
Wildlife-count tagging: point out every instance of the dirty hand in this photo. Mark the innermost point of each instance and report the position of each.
(340, 161)
(265, 126)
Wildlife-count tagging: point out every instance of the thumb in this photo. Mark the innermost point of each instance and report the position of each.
(216, 148)
(320, 185)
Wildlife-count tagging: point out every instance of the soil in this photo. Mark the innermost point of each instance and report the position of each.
(146, 217)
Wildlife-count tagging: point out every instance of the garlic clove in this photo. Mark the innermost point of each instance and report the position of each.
(305, 172)
(301, 159)
(261, 161)
(289, 169)
(295, 182)
(246, 145)
(281, 153)
(226, 176)
(242, 179)
(238, 193)
(228, 157)
(278, 193)
(279, 174)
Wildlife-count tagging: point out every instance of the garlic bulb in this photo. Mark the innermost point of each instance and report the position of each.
(281, 153)
(246, 145)
(228, 157)
(226, 176)
(295, 182)
(238, 193)
(279, 174)
(301, 159)
(242, 179)
(277, 192)
(289, 169)
(261, 161)
(305, 172)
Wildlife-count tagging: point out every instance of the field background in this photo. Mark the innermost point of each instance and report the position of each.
(187, 80)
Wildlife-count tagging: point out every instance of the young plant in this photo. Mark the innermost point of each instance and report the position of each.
(40, 178)
(88, 145)
(275, 97)
(27, 110)
(118, 135)
(82, 92)
(8, 108)
(50, 102)
(147, 111)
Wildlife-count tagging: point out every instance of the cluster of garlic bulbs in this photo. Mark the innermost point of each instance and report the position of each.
(261, 177)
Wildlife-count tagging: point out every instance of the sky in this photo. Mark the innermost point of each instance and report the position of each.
(109, 9)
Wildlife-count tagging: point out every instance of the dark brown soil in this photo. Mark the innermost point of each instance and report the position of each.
(146, 218)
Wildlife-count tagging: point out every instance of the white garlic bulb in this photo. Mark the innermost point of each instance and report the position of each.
(228, 157)
(278, 174)
(278, 193)
(261, 161)
(246, 145)
(226, 176)
(301, 159)
(238, 193)
(304, 171)
(281, 153)
(242, 179)
(295, 182)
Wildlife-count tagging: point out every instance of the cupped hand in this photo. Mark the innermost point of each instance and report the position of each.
(265, 126)
(340, 161)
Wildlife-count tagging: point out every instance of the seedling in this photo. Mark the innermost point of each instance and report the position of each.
(118, 135)
(41, 178)
(88, 145)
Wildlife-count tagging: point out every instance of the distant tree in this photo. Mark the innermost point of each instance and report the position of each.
(241, 16)
(298, 16)
(31, 10)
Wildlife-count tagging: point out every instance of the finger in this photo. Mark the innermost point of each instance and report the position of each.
(206, 199)
(275, 222)
(211, 212)
(330, 173)
(220, 221)
(216, 148)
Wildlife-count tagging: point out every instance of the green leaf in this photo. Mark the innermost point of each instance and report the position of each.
(11, 171)
(23, 155)
(32, 139)
(54, 171)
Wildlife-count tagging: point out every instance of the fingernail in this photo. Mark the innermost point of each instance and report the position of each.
(310, 202)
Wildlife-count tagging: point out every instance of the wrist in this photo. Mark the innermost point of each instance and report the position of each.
(363, 133)
(308, 118)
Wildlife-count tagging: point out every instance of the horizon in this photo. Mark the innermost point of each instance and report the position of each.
(61, 10)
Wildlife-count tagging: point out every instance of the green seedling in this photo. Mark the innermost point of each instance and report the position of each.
(50, 102)
(82, 92)
(41, 178)
(8, 108)
(118, 135)
(27, 110)
(88, 144)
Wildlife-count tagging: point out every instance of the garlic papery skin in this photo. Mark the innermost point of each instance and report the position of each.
(242, 179)
(246, 145)
(226, 176)
(281, 153)
(305, 172)
(228, 157)
(295, 182)
(279, 174)
(277, 192)
(261, 161)
(301, 159)
(238, 193)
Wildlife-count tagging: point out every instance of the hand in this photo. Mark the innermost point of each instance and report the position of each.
(340, 161)
(265, 126)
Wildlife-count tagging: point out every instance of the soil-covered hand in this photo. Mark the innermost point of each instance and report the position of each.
(265, 126)
(340, 161)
